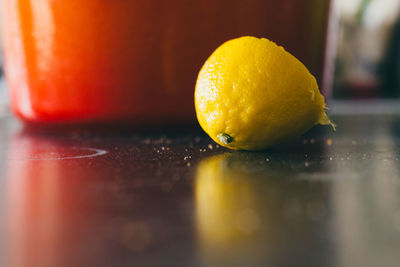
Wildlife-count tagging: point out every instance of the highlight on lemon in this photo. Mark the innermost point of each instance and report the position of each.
(252, 94)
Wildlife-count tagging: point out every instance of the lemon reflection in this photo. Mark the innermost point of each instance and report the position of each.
(226, 202)
(249, 209)
(235, 210)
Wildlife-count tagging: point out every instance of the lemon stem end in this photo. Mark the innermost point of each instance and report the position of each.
(225, 139)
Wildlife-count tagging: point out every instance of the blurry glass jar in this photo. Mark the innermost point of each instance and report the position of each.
(96, 61)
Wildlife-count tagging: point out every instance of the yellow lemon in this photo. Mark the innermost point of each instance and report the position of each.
(252, 94)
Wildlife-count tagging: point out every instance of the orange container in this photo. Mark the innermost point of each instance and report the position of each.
(136, 61)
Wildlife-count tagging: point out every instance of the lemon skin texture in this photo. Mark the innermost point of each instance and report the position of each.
(251, 94)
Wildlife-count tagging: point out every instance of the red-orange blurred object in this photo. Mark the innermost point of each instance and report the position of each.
(65, 206)
(73, 61)
(46, 213)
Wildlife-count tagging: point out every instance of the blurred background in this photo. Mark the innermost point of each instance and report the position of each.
(367, 49)
(3, 91)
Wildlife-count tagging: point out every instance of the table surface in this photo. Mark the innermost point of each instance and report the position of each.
(152, 199)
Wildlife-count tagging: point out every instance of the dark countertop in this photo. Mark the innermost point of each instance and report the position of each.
(82, 199)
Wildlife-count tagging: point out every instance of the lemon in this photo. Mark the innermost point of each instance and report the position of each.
(252, 94)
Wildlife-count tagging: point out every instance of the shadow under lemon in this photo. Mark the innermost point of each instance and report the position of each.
(250, 210)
